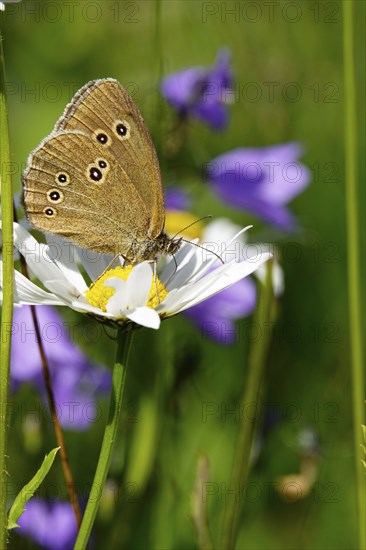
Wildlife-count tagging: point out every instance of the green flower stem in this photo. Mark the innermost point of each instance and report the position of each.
(158, 61)
(353, 261)
(8, 290)
(115, 407)
(242, 453)
(199, 513)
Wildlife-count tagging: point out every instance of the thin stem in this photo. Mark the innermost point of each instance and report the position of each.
(56, 423)
(353, 262)
(66, 469)
(242, 453)
(158, 56)
(7, 288)
(115, 407)
(199, 504)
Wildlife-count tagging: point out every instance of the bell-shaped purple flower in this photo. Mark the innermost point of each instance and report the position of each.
(51, 525)
(261, 181)
(75, 379)
(202, 92)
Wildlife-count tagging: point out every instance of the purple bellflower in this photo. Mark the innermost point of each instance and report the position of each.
(202, 92)
(261, 181)
(51, 525)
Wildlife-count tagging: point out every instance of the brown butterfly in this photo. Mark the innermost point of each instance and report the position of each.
(96, 179)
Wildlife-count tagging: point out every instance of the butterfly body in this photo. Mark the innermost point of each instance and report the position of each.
(96, 179)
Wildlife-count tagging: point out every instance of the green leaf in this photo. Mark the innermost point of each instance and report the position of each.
(29, 489)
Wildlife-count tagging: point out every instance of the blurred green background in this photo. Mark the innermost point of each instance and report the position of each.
(175, 375)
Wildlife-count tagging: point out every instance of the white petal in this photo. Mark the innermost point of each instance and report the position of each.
(133, 293)
(185, 271)
(88, 308)
(64, 255)
(206, 265)
(182, 257)
(35, 254)
(26, 292)
(139, 285)
(118, 301)
(144, 316)
(64, 290)
(181, 296)
(223, 277)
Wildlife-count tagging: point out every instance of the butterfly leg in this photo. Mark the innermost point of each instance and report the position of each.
(125, 260)
(109, 265)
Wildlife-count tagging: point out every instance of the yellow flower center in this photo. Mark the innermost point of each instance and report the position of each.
(98, 294)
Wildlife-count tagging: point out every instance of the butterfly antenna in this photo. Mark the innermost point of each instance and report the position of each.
(174, 272)
(206, 249)
(176, 265)
(195, 244)
(193, 223)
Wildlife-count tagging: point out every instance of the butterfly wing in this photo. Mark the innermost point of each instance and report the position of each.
(104, 110)
(74, 187)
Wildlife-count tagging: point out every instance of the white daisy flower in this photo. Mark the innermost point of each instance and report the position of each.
(122, 294)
